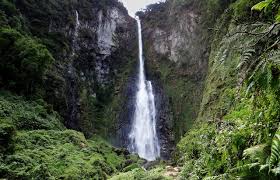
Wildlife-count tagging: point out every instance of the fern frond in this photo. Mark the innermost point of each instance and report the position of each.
(246, 56)
(219, 177)
(276, 171)
(260, 65)
(274, 57)
(256, 153)
(264, 167)
(244, 168)
(275, 150)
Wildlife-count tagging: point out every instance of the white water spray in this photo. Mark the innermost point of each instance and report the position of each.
(143, 135)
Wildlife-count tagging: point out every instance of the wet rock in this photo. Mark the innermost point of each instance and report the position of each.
(164, 117)
(121, 151)
(151, 164)
(172, 171)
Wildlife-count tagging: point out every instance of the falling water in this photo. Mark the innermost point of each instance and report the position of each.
(77, 23)
(143, 135)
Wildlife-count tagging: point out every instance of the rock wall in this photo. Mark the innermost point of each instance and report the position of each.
(93, 44)
(178, 38)
(176, 50)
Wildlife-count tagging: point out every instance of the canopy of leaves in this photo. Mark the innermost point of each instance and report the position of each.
(23, 61)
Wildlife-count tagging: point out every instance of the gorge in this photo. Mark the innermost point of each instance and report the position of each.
(188, 90)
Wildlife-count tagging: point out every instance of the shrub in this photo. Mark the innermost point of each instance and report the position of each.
(59, 155)
(27, 115)
(7, 131)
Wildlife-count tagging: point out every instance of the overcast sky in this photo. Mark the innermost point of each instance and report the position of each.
(135, 5)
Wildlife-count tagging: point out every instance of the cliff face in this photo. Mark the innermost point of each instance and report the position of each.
(63, 63)
(93, 46)
(176, 33)
(176, 53)
(236, 131)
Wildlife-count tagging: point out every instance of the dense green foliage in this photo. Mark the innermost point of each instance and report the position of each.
(34, 50)
(35, 144)
(27, 115)
(23, 61)
(236, 134)
(59, 154)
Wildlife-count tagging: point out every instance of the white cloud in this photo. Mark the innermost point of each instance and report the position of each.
(135, 5)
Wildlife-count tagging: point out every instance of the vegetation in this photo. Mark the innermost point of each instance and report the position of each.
(24, 61)
(237, 131)
(58, 154)
(182, 94)
(139, 173)
(35, 144)
(27, 115)
(236, 134)
(270, 8)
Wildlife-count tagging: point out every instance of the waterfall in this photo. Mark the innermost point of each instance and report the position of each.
(143, 135)
(77, 25)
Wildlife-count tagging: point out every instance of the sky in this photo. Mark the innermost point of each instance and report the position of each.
(135, 5)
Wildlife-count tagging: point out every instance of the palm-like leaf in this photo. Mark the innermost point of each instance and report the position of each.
(262, 5)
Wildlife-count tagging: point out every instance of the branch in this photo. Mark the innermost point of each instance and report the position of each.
(264, 34)
(270, 29)
(273, 45)
(213, 29)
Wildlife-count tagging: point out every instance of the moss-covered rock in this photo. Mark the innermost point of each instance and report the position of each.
(62, 54)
